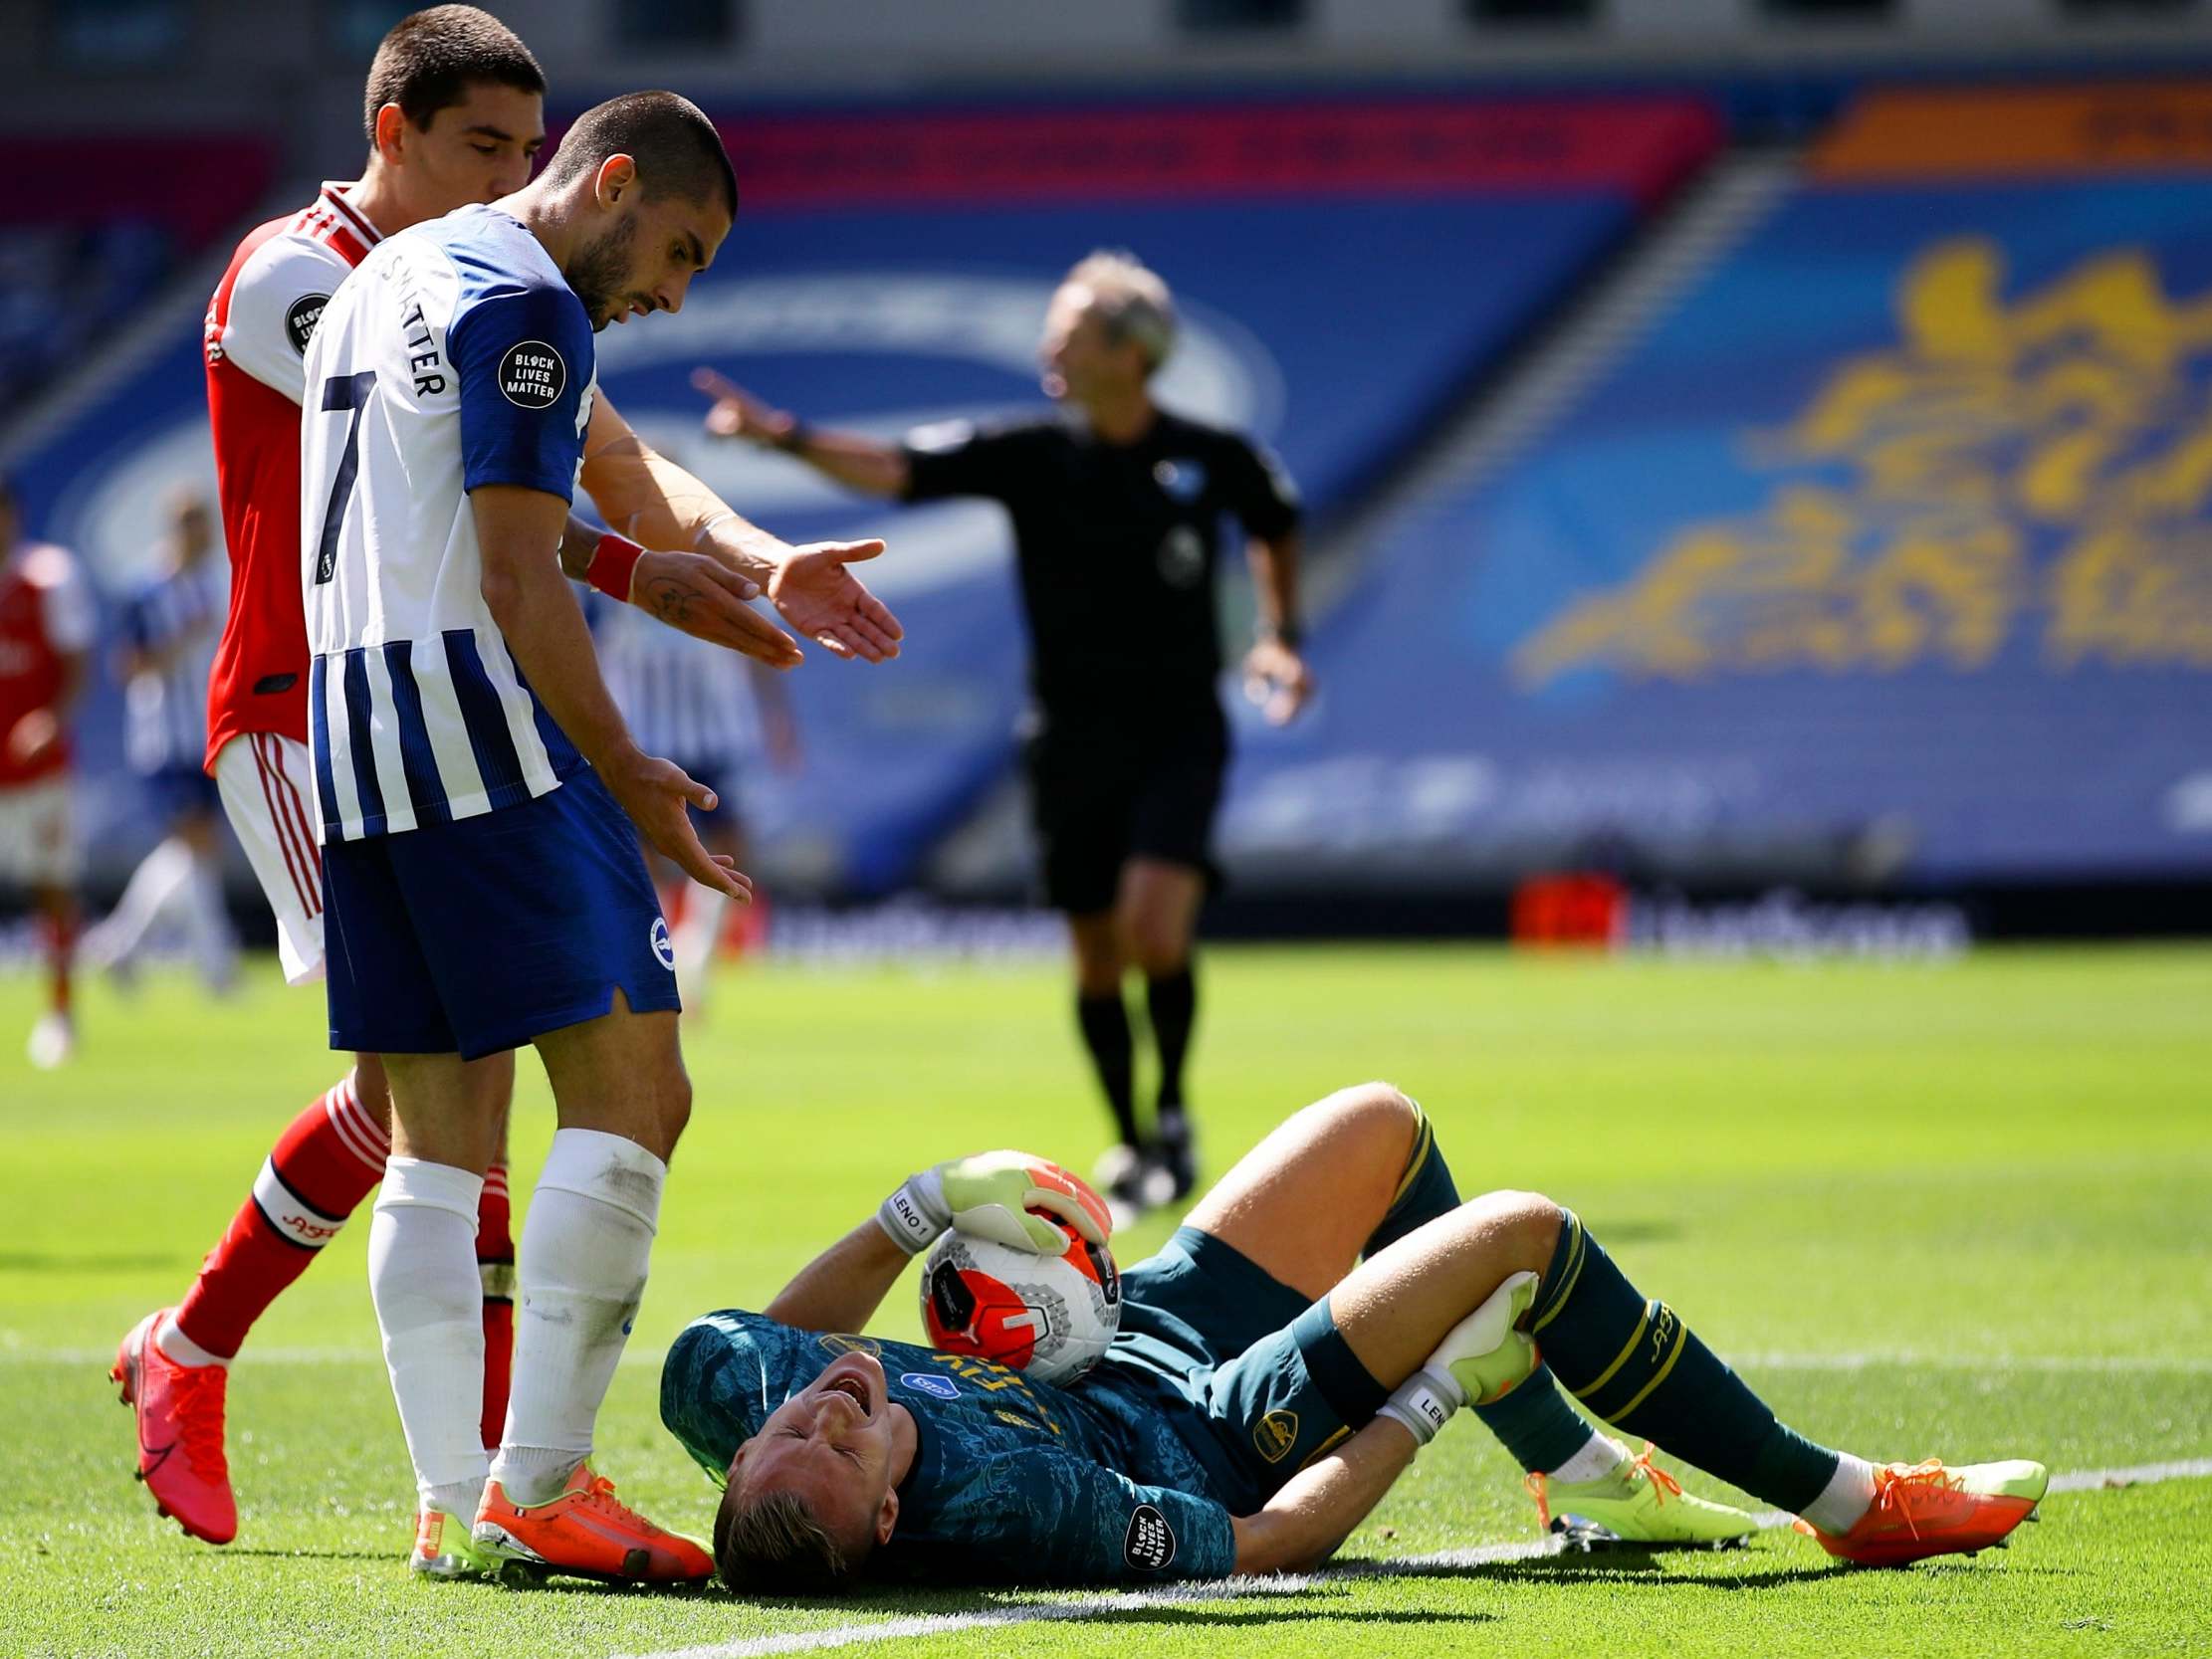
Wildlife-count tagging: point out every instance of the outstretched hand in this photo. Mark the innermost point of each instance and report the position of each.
(827, 603)
(737, 413)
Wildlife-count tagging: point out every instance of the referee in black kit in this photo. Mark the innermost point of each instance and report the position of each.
(1117, 508)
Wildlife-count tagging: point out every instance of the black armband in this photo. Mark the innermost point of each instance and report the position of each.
(1289, 635)
(795, 437)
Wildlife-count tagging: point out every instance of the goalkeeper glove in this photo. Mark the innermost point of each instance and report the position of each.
(1478, 1360)
(989, 1195)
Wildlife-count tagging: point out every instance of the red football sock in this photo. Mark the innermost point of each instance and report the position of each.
(57, 934)
(494, 1265)
(324, 1166)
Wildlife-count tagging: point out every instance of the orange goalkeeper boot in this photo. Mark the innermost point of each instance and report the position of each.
(1921, 1510)
(587, 1533)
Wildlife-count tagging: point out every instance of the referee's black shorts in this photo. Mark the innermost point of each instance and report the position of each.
(1103, 792)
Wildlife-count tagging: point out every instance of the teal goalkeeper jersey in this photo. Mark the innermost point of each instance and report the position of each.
(1012, 1480)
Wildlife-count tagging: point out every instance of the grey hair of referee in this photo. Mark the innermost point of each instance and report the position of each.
(1130, 301)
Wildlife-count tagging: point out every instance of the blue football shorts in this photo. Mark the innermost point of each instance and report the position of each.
(482, 933)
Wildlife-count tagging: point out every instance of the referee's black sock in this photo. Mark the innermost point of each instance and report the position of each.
(1105, 1024)
(1171, 1001)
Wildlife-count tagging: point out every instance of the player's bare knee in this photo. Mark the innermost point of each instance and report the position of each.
(1378, 1116)
(1532, 1221)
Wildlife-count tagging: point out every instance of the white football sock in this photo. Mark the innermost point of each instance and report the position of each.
(153, 889)
(170, 1339)
(430, 1307)
(1600, 1455)
(1848, 1494)
(207, 931)
(580, 1276)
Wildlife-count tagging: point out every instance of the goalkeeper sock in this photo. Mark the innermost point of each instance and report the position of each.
(1425, 1191)
(1105, 1024)
(1533, 1421)
(1636, 1364)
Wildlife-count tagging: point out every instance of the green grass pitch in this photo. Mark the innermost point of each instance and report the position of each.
(1963, 1210)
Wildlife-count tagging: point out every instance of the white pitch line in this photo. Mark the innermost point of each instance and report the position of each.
(1030, 1612)
(920, 1625)
(2062, 1362)
(2141, 1473)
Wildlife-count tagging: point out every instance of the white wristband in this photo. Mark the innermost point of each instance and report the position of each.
(907, 1220)
(1422, 1406)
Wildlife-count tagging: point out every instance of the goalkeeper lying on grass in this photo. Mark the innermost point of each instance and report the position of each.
(1329, 1306)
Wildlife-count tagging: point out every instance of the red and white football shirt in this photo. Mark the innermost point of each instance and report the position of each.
(259, 322)
(46, 618)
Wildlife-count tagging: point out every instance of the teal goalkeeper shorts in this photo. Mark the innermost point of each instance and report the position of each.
(1253, 1378)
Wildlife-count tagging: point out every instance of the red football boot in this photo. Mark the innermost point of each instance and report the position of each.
(179, 1409)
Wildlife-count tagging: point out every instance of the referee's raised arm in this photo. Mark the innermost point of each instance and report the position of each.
(858, 463)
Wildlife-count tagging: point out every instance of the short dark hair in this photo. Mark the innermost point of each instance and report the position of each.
(675, 146)
(772, 1545)
(431, 58)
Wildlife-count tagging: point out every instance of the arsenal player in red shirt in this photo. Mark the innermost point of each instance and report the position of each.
(46, 623)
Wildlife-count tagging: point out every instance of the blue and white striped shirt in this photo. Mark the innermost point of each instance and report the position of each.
(177, 617)
(455, 356)
(684, 699)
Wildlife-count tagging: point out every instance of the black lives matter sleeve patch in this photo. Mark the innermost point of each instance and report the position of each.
(299, 322)
(1149, 1544)
(532, 377)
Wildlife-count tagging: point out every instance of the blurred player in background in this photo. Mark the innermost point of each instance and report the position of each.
(1117, 508)
(171, 625)
(714, 715)
(48, 621)
(454, 115)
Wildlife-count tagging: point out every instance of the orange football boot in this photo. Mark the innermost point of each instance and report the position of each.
(1923, 1509)
(587, 1533)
